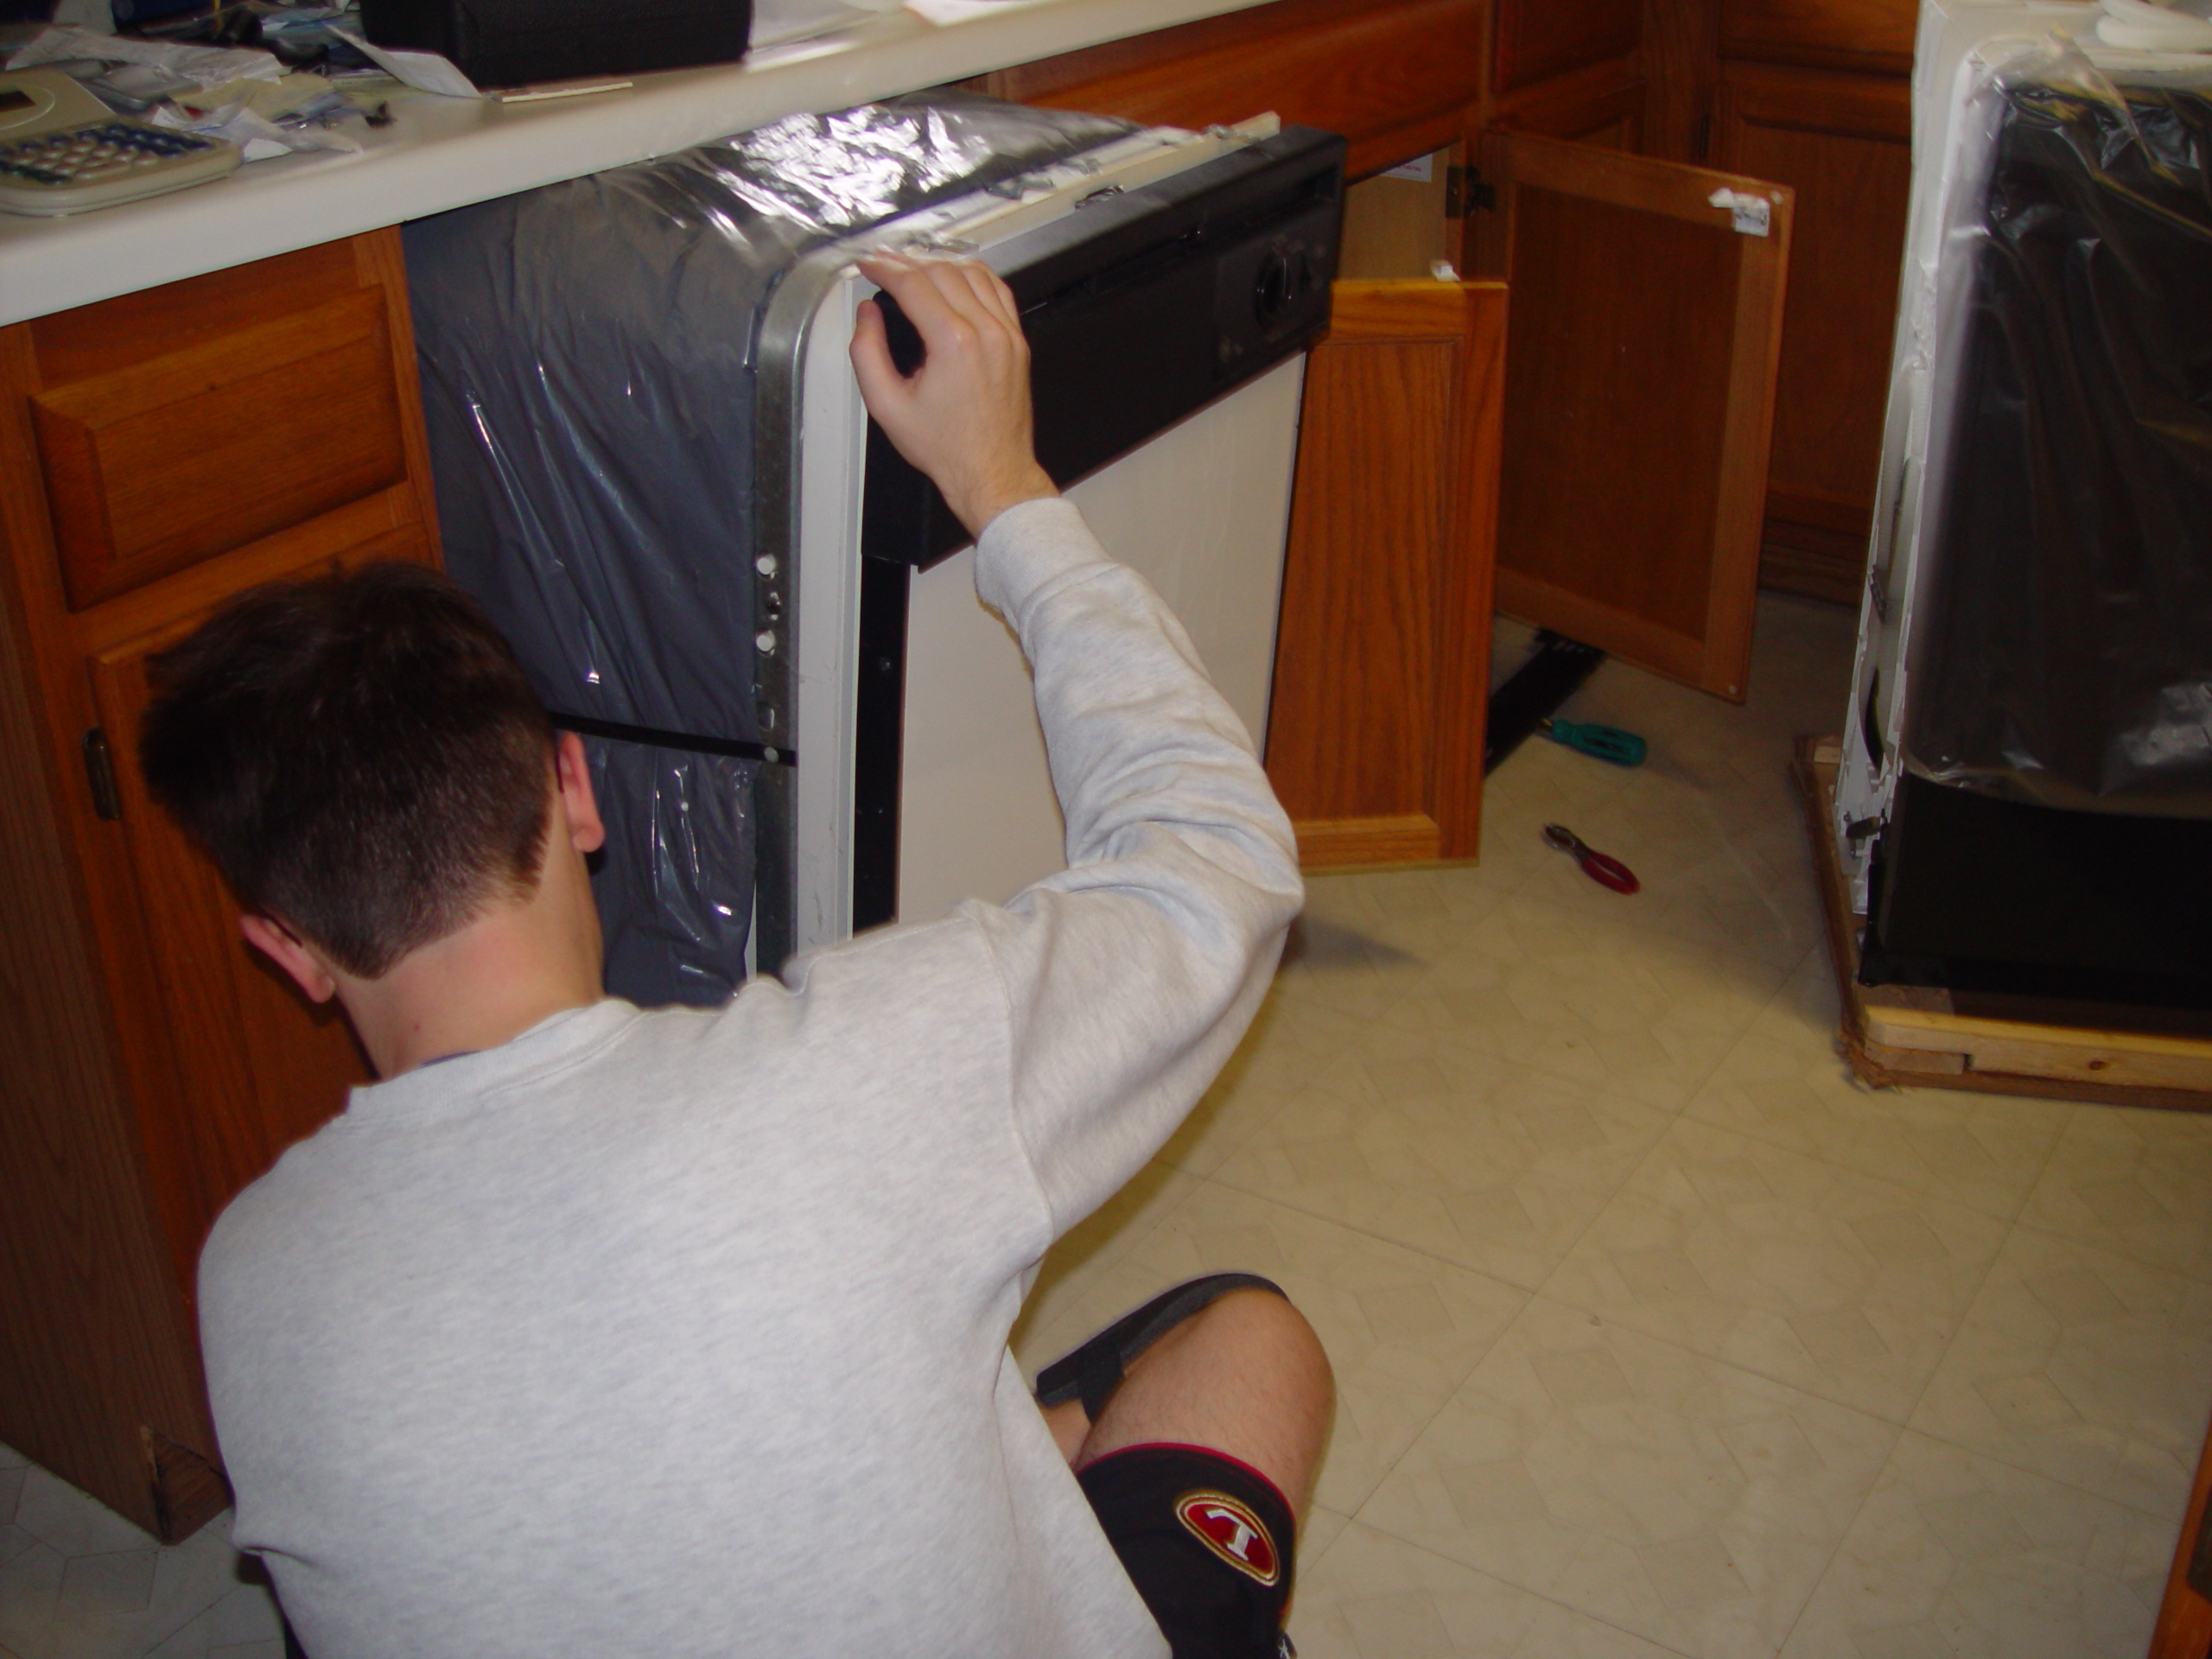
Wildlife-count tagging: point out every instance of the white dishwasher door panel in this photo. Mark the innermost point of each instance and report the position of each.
(1203, 509)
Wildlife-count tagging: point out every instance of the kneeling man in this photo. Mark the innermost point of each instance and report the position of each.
(587, 1331)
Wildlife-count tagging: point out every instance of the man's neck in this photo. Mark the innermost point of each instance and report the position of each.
(509, 969)
(519, 962)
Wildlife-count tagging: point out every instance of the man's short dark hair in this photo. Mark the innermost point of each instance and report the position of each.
(360, 754)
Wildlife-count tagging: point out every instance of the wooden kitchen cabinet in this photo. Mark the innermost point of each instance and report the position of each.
(2185, 1626)
(1638, 399)
(1843, 143)
(1378, 569)
(1575, 73)
(160, 453)
(1816, 94)
(1374, 736)
(1871, 36)
(1396, 78)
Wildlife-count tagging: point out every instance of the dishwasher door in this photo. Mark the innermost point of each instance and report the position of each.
(1202, 510)
(1167, 309)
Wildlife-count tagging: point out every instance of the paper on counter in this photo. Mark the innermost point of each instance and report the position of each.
(203, 66)
(258, 137)
(426, 72)
(778, 22)
(271, 99)
(959, 11)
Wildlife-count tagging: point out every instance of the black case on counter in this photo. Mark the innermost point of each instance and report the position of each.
(515, 42)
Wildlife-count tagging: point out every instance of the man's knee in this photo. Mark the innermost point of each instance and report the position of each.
(1245, 1377)
(1258, 1334)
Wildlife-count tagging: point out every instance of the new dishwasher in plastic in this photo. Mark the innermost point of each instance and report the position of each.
(2024, 802)
(654, 470)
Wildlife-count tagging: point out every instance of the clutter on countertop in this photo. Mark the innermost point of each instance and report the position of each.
(62, 150)
(271, 78)
(267, 79)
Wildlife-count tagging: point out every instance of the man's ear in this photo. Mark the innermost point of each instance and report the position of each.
(289, 951)
(572, 773)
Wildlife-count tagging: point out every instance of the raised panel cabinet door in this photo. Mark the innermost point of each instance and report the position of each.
(1639, 399)
(1375, 735)
(256, 1066)
(1844, 143)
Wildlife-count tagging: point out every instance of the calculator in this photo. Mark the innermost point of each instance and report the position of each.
(61, 151)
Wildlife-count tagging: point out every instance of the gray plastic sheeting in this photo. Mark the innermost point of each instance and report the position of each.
(587, 356)
(2068, 659)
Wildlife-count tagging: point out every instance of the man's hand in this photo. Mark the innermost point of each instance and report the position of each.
(963, 418)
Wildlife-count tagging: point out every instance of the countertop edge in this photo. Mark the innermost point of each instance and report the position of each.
(444, 153)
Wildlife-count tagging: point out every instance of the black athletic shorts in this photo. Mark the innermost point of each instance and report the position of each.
(1207, 1540)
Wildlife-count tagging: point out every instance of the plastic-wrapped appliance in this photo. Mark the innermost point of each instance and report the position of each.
(2026, 795)
(654, 470)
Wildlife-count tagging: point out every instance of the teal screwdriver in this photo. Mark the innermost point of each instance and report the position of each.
(1602, 742)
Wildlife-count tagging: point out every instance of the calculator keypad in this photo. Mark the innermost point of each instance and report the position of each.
(105, 162)
(105, 150)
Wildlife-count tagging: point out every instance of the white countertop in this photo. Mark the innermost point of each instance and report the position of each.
(444, 152)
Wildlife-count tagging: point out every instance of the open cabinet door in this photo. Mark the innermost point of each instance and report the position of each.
(1375, 735)
(1639, 399)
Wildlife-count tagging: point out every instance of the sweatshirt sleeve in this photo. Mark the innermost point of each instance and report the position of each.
(1131, 975)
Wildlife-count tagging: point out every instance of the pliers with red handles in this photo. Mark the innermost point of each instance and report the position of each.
(1605, 871)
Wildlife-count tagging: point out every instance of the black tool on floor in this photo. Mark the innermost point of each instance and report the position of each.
(1554, 671)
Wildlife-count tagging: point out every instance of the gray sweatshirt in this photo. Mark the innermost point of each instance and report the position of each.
(685, 1333)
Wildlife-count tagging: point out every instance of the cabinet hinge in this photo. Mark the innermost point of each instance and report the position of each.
(99, 772)
(1465, 191)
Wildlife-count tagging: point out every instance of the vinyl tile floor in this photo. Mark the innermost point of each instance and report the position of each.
(1654, 1333)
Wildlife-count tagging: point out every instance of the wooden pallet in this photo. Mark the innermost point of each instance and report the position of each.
(1895, 1035)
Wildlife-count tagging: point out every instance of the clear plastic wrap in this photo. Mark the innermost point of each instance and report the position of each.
(588, 360)
(2065, 657)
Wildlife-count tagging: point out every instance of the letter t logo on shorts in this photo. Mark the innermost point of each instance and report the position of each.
(1231, 1531)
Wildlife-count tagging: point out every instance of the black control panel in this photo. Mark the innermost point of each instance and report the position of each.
(1141, 307)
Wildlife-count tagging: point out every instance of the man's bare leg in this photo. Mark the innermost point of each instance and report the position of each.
(1244, 1377)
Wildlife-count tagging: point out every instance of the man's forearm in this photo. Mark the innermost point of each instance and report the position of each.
(1135, 732)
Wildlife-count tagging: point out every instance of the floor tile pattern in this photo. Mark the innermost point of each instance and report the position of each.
(1657, 1335)
(79, 1582)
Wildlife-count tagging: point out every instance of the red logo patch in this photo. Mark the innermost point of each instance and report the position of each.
(1231, 1531)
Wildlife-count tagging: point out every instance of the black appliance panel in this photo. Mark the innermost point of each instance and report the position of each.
(514, 42)
(1142, 308)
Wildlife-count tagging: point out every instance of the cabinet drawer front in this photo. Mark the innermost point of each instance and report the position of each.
(157, 467)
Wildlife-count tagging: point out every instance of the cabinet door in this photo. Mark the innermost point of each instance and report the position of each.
(1639, 399)
(294, 380)
(1844, 143)
(256, 1066)
(1375, 737)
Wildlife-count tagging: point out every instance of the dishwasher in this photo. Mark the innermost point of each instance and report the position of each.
(2024, 802)
(655, 471)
